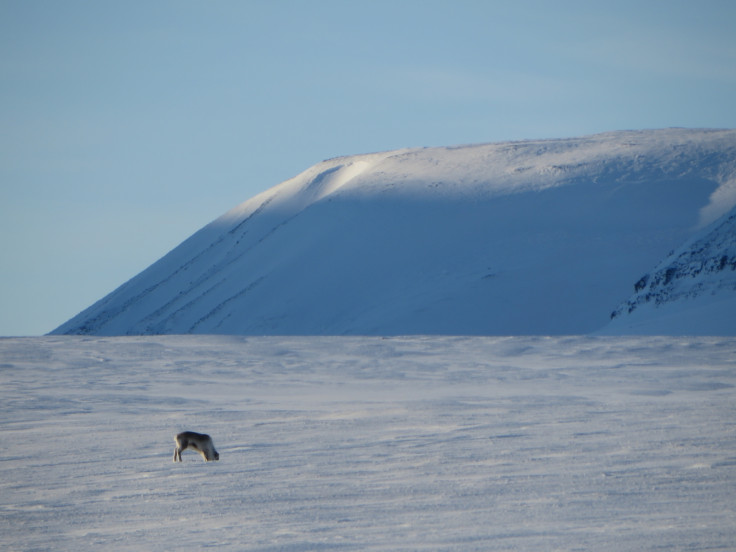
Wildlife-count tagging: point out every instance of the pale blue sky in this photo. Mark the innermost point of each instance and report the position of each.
(127, 126)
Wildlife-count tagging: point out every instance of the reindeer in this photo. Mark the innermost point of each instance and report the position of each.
(196, 441)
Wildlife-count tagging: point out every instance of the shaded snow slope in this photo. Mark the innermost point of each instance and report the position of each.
(693, 291)
(533, 237)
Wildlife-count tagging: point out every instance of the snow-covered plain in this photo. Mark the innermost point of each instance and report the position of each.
(366, 443)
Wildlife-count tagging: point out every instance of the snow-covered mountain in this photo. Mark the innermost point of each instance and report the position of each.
(692, 291)
(531, 237)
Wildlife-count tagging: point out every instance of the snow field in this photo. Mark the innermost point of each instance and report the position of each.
(416, 443)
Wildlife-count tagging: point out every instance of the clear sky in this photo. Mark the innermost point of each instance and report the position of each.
(127, 126)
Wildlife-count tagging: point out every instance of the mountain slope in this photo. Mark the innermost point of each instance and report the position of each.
(693, 291)
(533, 237)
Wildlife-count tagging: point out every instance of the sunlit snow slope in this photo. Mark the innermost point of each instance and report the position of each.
(532, 237)
(693, 291)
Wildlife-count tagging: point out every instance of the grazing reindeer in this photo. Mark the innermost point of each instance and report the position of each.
(196, 441)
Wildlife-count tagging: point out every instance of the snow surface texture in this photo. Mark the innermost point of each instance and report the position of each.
(534, 237)
(348, 443)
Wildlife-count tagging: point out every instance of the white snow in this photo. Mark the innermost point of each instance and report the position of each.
(368, 443)
(708, 314)
(535, 237)
(691, 292)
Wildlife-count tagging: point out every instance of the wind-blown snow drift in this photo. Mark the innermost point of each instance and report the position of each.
(532, 237)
